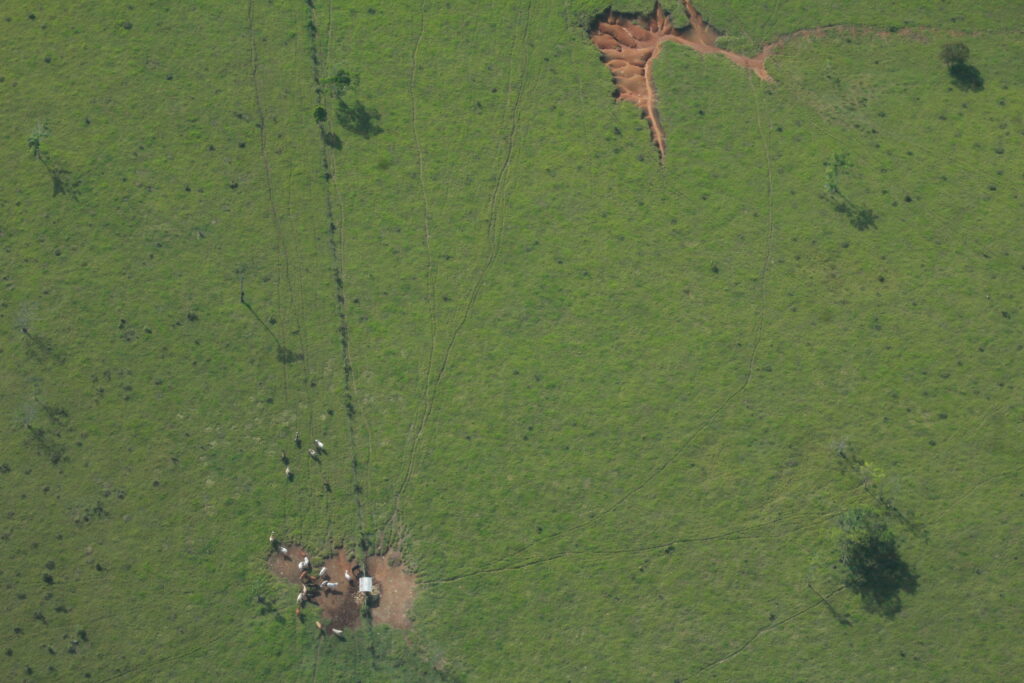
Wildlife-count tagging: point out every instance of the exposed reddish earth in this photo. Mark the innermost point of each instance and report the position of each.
(630, 43)
(341, 606)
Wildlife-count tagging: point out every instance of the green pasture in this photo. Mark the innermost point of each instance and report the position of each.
(611, 410)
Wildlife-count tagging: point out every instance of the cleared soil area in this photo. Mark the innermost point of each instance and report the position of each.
(629, 43)
(341, 605)
(397, 589)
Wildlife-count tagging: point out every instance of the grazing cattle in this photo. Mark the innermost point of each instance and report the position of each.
(319, 444)
(323, 570)
(337, 631)
(332, 584)
(282, 550)
(302, 597)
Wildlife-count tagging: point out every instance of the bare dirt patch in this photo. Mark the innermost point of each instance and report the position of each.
(397, 589)
(629, 43)
(341, 604)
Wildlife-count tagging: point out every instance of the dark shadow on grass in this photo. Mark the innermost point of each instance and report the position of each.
(287, 356)
(860, 217)
(359, 119)
(875, 569)
(843, 619)
(966, 77)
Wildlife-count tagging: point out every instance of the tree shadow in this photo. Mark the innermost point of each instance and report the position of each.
(966, 77)
(860, 217)
(878, 574)
(287, 356)
(359, 119)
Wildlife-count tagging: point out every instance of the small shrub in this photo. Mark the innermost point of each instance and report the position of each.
(342, 81)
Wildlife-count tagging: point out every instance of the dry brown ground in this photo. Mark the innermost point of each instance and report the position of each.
(397, 589)
(340, 607)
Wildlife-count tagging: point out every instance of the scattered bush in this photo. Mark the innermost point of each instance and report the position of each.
(342, 81)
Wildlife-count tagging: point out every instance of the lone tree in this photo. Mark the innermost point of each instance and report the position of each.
(870, 556)
(954, 53)
(965, 76)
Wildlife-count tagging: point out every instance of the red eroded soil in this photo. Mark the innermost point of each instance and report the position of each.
(629, 44)
(341, 606)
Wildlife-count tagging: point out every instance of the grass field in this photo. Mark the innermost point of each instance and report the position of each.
(596, 400)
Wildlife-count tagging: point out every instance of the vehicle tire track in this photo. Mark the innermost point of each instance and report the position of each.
(770, 627)
(335, 235)
(495, 226)
(757, 334)
(296, 313)
(280, 230)
(738, 534)
(431, 267)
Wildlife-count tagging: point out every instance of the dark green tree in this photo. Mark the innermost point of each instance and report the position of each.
(965, 76)
(954, 53)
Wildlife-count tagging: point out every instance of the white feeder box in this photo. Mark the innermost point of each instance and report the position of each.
(365, 584)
